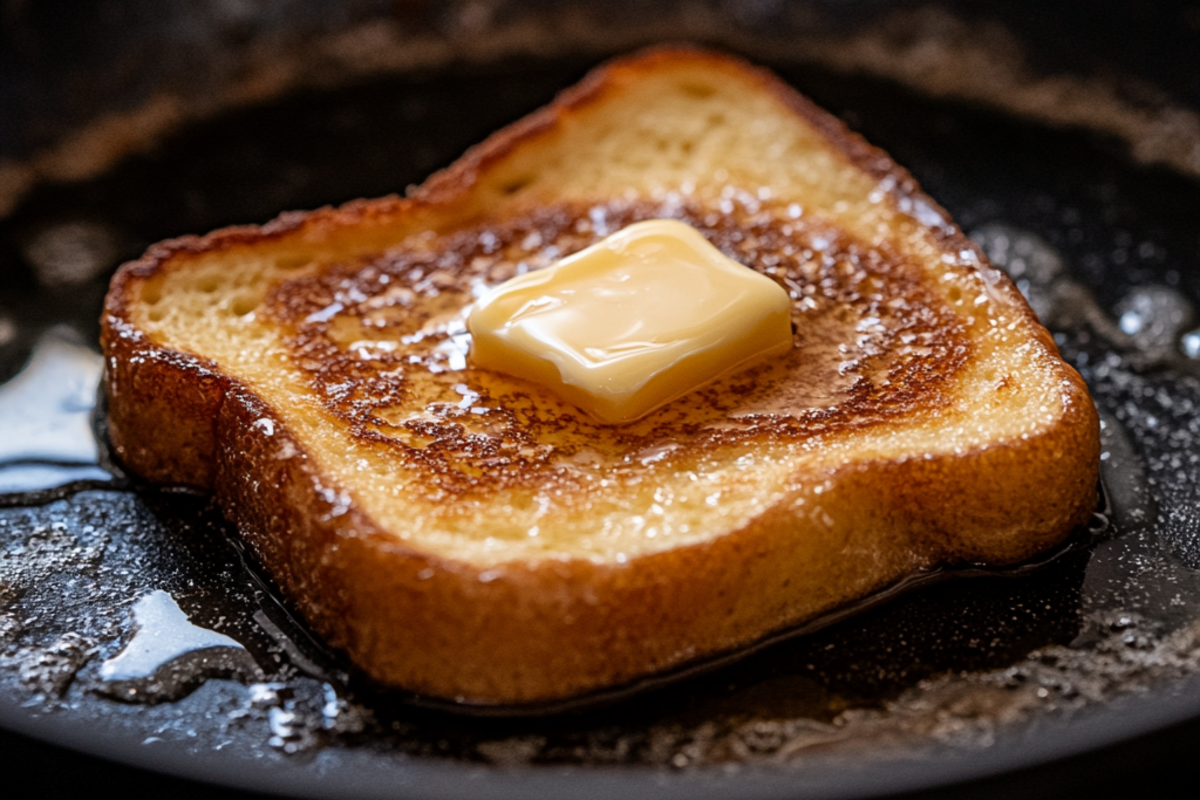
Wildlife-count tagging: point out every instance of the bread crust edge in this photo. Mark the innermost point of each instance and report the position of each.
(549, 630)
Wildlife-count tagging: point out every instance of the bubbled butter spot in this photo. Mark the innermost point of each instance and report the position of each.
(627, 325)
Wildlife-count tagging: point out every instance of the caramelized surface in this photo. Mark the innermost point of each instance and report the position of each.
(383, 346)
(349, 325)
(465, 535)
(641, 318)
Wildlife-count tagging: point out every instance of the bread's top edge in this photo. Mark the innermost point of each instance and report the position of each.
(448, 184)
(447, 187)
(444, 190)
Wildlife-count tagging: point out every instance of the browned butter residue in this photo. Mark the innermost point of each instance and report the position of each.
(382, 342)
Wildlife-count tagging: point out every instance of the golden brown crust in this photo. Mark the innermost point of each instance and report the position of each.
(445, 188)
(872, 303)
(554, 628)
(486, 640)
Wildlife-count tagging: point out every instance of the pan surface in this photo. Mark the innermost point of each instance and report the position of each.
(953, 681)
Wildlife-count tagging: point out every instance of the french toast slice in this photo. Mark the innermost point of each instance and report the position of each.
(469, 536)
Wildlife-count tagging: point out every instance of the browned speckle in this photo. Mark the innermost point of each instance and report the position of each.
(373, 338)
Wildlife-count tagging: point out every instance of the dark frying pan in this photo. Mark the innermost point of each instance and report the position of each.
(1067, 142)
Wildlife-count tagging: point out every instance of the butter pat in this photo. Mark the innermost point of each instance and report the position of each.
(632, 322)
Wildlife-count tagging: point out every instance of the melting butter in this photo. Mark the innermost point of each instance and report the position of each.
(633, 322)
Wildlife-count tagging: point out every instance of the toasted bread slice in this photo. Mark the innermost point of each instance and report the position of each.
(465, 535)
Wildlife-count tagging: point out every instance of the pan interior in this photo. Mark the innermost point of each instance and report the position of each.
(1104, 248)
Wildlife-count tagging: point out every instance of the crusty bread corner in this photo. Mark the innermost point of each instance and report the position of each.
(429, 581)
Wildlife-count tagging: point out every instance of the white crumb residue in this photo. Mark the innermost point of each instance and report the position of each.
(916, 207)
(372, 349)
(656, 453)
(325, 314)
(881, 189)
(339, 501)
(457, 343)
(469, 397)
(265, 425)
(927, 215)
